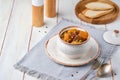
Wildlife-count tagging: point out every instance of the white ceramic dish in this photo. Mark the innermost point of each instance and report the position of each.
(73, 50)
(58, 57)
(112, 37)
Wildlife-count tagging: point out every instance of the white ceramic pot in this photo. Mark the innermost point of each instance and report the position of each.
(73, 50)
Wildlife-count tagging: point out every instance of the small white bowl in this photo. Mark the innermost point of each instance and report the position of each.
(73, 50)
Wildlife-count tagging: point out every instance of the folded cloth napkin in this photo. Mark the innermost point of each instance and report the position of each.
(36, 63)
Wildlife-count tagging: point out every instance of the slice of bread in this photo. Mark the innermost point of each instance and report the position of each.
(95, 14)
(98, 6)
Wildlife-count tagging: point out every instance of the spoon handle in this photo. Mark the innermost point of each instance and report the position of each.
(86, 75)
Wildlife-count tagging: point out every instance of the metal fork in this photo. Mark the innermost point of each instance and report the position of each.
(98, 62)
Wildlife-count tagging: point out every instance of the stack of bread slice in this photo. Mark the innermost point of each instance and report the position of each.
(97, 9)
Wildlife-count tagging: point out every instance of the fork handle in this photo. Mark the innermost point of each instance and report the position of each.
(86, 75)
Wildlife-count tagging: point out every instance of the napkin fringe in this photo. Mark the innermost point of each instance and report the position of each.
(34, 73)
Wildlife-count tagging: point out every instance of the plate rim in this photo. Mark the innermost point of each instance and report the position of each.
(68, 64)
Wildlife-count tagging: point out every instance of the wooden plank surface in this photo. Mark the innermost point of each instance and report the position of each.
(6, 8)
(17, 35)
(17, 39)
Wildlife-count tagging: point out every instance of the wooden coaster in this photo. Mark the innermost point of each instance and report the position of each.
(110, 17)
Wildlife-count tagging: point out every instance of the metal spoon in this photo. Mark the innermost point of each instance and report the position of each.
(103, 71)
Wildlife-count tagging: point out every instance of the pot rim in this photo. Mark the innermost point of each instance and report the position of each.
(74, 27)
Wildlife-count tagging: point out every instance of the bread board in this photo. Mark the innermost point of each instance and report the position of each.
(110, 17)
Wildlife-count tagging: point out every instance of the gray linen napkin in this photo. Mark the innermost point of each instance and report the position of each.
(36, 63)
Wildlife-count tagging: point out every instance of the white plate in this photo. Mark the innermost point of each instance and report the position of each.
(60, 58)
(109, 36)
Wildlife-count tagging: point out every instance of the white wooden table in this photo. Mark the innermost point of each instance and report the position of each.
(17, 36)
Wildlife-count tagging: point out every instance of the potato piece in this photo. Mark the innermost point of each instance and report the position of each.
(83, 35)
(66, 37)
(72, 31)
(75, 42)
